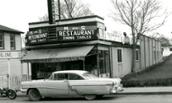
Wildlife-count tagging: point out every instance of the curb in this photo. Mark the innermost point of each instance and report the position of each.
(19, 94)
(144, 93)
(146, 90)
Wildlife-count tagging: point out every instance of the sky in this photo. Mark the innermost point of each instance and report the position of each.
(18, 13)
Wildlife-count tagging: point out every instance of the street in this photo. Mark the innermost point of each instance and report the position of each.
(155, 98)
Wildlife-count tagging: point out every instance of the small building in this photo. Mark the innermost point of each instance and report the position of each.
(82, 44)
(167, 50)
(10, 57)
(150, 52)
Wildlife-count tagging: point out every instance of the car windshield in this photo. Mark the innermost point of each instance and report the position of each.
(89, 76)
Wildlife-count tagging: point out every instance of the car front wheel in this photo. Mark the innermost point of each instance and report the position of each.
(34, 95)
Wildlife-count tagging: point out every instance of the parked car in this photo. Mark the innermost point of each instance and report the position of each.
(71, 83)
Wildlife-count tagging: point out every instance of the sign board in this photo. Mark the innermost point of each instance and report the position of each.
(61, 34)
(6, 55)
(76, 33)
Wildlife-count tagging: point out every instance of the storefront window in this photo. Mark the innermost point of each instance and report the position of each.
(72, 65)
(44, 70)
(1, 41)
(104, 63)
(91, 63)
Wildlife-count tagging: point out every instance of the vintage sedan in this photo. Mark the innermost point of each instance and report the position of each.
(71, 83)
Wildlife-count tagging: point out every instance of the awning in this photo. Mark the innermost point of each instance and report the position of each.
(57, 55)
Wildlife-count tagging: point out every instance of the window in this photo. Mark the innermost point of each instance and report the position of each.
(119, 54)
(60, 76)
(12, 42)
(74, 77)
(137, 54)
(65, 76)
(104, 63)
(89, 76)
(1, 41)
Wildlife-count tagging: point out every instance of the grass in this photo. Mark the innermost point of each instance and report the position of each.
(157, 75)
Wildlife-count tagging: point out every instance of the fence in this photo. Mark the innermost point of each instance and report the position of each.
(3, 81)
(12, 82)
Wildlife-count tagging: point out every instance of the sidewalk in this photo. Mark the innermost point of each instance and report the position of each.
(147, 90)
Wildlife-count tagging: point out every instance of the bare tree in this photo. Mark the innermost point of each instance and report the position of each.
(140, 16)
(43, 18)
(70, 9)
(164, 40)
(74, 8)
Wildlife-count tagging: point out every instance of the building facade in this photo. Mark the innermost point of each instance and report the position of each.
(10, 57)
(79, 44)
(150, 52)
(75, 44)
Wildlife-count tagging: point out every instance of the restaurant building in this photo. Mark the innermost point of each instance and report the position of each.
(82, 44)
(75, 44)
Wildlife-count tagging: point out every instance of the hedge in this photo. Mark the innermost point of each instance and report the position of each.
(147, 83)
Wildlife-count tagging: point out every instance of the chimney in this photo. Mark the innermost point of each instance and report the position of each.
(51, 11)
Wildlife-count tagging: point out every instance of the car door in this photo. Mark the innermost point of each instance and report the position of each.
(57, 86)
(74, 81)
(81, 86)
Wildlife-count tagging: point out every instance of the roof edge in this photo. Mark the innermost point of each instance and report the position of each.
(10, 30)
(92, 16)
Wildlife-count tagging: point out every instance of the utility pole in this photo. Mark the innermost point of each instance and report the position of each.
(59, 9)
(51, 11)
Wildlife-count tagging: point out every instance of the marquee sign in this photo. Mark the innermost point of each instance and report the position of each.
(61, 34)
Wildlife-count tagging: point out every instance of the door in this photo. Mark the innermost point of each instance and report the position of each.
(57, 86)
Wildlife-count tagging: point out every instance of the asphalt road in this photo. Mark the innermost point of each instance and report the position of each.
(161, 98)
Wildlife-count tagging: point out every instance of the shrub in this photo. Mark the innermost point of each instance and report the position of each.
(147, 83)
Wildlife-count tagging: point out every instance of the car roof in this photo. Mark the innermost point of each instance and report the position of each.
(71, 71)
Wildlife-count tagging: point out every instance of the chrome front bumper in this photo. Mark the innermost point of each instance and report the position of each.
(117, 89)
